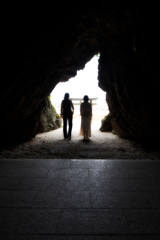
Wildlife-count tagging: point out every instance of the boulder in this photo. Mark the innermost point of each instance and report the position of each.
(49, 119)
(106, 124)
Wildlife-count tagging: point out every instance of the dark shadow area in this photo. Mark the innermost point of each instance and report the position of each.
(43, 51)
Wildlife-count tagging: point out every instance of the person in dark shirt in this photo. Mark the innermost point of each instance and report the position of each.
(67, 111)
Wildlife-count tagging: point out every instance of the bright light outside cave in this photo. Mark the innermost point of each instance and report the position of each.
(84, 83)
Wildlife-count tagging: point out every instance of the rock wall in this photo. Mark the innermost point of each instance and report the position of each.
(45, 48)
(128, 72)
(106, 125)
(49, 119)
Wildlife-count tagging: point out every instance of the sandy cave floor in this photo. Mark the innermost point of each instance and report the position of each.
(51, 145)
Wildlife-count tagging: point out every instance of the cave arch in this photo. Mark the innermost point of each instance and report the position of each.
(84, 83)
(42, 53)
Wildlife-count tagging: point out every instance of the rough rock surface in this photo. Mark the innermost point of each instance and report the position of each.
(49, 119)
(44, 48)
(106, 125)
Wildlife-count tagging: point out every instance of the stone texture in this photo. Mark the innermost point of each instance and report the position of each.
(75, 203)
(49, 119)
(106, 125)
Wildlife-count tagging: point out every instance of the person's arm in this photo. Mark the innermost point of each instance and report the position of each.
(91, 109)
(72, 107)
(61, 109)
(81, 109)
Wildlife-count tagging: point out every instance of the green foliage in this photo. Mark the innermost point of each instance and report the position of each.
(106, 124)
(50, 120)
(98, 55)
(53, 108)
(103, 119)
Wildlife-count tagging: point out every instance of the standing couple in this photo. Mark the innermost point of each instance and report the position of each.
(67, 111)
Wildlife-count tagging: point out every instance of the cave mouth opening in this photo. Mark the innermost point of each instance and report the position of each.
(84, 83)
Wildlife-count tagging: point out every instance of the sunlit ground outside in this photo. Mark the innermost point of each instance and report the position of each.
(85, 83)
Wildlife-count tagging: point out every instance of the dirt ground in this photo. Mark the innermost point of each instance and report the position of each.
(51, 145)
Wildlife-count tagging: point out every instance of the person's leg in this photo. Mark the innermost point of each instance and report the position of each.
(65, 126)
(84, 127)
(70, 125)
(84, 131)
(87, 134)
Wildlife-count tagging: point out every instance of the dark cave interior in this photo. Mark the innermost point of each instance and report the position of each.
(45, 49)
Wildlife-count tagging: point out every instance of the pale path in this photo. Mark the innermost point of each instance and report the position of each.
(100, 146)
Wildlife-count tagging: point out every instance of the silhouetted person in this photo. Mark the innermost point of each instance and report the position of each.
(67, 111)
(86, 114)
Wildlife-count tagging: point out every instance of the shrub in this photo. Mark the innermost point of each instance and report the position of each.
(106, 124)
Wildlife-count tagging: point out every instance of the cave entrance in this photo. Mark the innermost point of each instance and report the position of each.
(84, 83)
